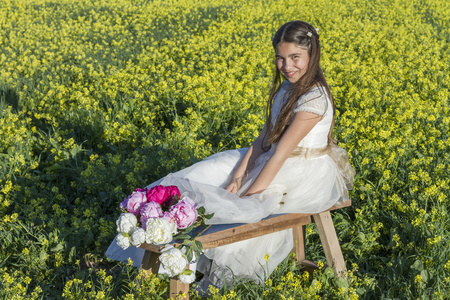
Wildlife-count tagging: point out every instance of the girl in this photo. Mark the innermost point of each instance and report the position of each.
(293, 166)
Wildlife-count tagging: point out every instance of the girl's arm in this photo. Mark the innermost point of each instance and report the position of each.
(301, 125)
(247, 162)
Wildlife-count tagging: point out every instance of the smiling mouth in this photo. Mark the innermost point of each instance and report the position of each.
(290, 74)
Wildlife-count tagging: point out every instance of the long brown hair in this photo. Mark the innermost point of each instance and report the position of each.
(305, 36)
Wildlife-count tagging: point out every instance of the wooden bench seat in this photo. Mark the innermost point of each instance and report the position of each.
(224, 234)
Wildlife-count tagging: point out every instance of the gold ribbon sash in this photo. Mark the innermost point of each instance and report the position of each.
(339, 156)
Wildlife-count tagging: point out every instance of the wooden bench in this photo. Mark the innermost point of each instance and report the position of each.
(238, 232)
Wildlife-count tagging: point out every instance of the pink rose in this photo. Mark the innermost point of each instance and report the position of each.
(135, 201)
(150, 210)
(184, 212)
(157, 194)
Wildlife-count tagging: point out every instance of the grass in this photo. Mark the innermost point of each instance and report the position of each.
(100, 97)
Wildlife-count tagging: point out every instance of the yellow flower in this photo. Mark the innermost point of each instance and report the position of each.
(231, 294)
(320, 264)
(130, 262)
(418, 279)
(317, 285)
(305, 276)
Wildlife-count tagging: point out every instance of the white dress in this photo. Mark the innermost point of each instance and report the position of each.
(303, 185)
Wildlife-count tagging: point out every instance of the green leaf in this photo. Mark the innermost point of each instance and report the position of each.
(209, 216)
(417, 265)
(187, 272)
(58, 248)
(189, 256)
(53, 167)
(198, 245)
(72, 254)
(424, 274)
(329, 272)
(188, 229)
(89, 238)
(194, 246)
(341, 282)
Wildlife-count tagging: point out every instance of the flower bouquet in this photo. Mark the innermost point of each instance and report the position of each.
(159, 216)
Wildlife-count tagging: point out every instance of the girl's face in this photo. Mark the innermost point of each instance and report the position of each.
(292, 61)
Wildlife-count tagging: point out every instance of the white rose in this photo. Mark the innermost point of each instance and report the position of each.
(187, 278)
(126, 223)
(138, 237)
(159, 231)
(122, 241)
(173, 260)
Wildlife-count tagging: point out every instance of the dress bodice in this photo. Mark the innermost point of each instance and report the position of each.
(314, 101)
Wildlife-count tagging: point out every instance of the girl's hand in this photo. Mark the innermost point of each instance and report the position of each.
(235, 184)
(246, 163)
(232, 188)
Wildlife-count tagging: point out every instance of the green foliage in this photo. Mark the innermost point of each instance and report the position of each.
(100, 97)
(193, 247)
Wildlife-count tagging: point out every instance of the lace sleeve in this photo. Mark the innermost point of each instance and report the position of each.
(313, 101)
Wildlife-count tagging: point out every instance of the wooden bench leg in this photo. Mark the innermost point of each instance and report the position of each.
(299, 233)
(177, 288)
(150, 262)
(299, 242)
(330, 242)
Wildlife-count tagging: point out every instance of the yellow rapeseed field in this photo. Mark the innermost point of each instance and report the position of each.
(100, 97)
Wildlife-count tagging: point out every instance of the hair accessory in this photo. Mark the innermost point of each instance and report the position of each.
(317, 29)
(309, 33)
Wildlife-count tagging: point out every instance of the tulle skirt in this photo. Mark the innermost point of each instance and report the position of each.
(303, 185)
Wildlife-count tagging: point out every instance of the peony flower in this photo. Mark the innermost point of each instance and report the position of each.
(136, 200)
(150, 210)
(173, 222)
(169, 216)
(138, 237)
(187, 278)
(173, 191)
(123, 204)
(184, 212)
(126, 223)
(159, 231)
(172, 197)
(173, 260)
(122, 241)
(157, 194)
